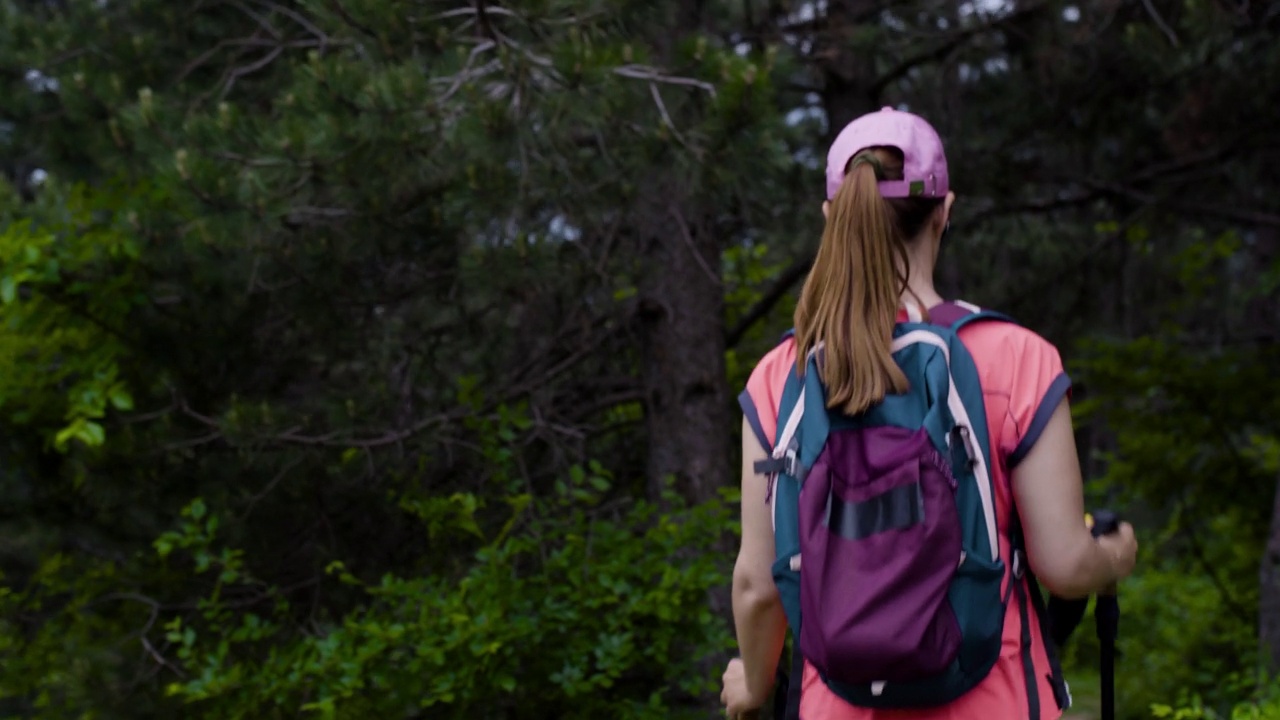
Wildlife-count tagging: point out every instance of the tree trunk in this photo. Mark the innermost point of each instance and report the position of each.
(682, 315)
(1269, 591)
(687, 405)
(848, 78)
(1261, 315)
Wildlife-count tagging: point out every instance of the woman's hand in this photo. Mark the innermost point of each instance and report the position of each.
(1121, 548)
(736, 696)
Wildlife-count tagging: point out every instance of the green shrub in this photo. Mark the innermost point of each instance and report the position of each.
(574, 609)
(1264, 705)
(1177, 639)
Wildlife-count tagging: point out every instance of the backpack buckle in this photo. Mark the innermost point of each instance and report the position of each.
(1017, 564)
(964, 452)
(791, 461)
(788, 462)
(962, 460)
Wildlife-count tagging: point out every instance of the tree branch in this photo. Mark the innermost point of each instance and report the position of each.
(1160, 23)
(956, 40)
(781, 286)
(1192, 208)
(1032, 207)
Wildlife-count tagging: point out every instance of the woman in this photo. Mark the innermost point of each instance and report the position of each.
(887, 210)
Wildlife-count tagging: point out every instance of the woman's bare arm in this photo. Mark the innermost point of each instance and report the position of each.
(1049, 494)
(757, 608)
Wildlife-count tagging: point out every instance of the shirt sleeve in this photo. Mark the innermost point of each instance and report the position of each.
(1038, 383)
(759, 400)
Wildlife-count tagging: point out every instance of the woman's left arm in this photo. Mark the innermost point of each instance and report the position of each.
(757, 608)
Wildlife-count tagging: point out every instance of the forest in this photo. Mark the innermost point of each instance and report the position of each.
(377, 359)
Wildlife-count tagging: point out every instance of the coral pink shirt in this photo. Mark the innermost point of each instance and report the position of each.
(1023, 381)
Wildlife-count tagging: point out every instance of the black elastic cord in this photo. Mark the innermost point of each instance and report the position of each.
(796, 682)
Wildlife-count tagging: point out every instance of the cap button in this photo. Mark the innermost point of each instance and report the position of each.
(887, 108)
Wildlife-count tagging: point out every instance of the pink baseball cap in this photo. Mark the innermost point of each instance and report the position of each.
(924, 167)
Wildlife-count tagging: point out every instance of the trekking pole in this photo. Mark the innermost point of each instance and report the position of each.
(1106, 614)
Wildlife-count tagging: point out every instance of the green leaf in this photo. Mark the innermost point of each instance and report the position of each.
(120, 398)
(91, 433)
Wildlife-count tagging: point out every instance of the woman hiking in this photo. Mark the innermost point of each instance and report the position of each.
(887, 209)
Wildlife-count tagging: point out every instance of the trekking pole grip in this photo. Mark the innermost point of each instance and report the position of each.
(1104, 522)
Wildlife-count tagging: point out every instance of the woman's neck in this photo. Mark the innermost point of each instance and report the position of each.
(920, 278)
(920, 291)
(926, 296)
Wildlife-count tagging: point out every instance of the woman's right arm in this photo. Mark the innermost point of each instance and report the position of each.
(757, 607)
(1049, 496)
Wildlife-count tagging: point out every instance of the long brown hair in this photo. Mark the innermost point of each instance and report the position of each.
(850, 300)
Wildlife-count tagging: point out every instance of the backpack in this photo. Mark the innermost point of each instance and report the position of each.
(887, 554)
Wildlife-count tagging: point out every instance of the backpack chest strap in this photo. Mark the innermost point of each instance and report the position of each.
(788, 464)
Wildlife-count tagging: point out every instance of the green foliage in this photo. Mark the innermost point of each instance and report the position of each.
(67, 285)
(1192, 427)
(748, 271)
(587, 607)
(1193, 432)
(591, 606)
(54, 668)
(1178, 635)
(1262, 704)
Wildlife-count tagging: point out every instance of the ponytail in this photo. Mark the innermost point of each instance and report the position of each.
(850, 300)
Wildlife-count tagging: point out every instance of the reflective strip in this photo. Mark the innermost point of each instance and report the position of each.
(913, 312)
(967, 305)
(894, 509)
(981, 474)
(789, 432)
(784, 443)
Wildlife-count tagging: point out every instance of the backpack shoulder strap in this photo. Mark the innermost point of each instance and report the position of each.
(955, 315)
(783, 456)
(958, 313)
(1027, 589)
